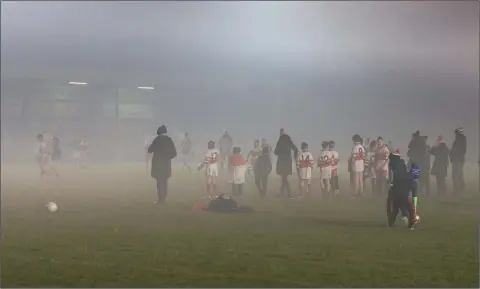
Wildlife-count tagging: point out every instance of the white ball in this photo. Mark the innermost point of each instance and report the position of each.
(417, 218)
(52, 207)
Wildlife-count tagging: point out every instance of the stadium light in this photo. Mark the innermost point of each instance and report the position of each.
(146, 87)
(77, 83)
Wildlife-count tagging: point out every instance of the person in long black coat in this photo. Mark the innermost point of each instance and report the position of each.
(440, 164)
(163, 150)
(457, 158)
(283, 151)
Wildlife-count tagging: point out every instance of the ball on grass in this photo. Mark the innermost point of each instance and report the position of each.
(52, 207)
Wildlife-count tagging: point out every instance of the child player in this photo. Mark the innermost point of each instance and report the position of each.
(238, 169)
(261, 170)
(358, 163)
(148, 156)
(210, 163)
(253, 155)
(371, 165)
(84, 147)
(402, 185)
(43, 156)
(305, 164)
(334, 185)
(381, 165)
(325, 162)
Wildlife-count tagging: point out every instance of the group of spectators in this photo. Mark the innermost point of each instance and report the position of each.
(420, 153)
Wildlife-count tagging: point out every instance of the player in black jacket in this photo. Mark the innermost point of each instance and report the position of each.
(402, 184)
(261, 169)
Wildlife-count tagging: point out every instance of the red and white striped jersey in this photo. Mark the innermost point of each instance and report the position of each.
(305, 160)
(326, 159)
(335, 159)
(212, 156)
(358, 152)
(381, 158)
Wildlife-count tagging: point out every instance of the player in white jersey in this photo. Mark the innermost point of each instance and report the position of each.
(210, 162)
(358, 163)
(148, 156)
(370, 166)
(186, 151)
(253, 155)
(84, 148)
(44, 155)
(325, 162)
(334, 184)
(381, 166)
(305, 163)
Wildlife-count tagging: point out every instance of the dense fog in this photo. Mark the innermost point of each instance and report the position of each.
(321, 70)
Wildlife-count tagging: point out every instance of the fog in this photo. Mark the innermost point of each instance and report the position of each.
(321, 70)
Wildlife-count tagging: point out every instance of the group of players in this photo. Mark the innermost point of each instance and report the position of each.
(364, 163)
(387, 171)
(49, 152)
(376, 163)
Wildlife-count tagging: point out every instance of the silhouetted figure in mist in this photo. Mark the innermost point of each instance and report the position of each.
(225, 145)
(457, 158)
(283, 151)
(402, 195)
(163, 150)
(261, 170)
(441, 161)
(425, 166)
(56, 149)
(56, 154)
(186, 150)
(418, 154)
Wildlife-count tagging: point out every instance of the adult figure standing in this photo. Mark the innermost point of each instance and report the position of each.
(417, 154)
(457, 158)
(425, 166)
(414, 149)
(225, 145)
(441, 161)
(163, 150)
(283, 151)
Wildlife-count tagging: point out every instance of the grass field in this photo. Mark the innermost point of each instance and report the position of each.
(108, 233)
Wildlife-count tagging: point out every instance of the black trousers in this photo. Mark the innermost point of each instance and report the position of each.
(237, 190)
(396, 204)
(261, 183)
(162, 189)
(441, 185)
(457, 177)
(424, 184)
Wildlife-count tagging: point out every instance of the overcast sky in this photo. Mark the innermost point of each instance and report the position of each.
(414, 63)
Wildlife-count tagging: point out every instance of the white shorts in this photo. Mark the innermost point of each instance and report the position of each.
(211, 171)
(305, 173)
(358, 166)
(76, 154)
(326, 173)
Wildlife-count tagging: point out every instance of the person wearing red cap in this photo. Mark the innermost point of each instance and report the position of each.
(441, 160)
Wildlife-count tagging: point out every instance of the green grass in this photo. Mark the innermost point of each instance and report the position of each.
(108, 233)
